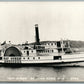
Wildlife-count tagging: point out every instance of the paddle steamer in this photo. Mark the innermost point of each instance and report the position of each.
(53, 53)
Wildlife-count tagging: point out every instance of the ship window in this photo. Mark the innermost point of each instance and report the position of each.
(51, 43)
(28, 57)
(0, 58)
(26, 48)
(24, 51)
(33, 57)
(52, 50)
(55, 43)
(32, 51)
(23, 58)
(38, 57)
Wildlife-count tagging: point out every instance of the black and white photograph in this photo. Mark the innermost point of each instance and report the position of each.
(42, 41)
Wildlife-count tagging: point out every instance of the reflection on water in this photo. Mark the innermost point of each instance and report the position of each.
(55, 74)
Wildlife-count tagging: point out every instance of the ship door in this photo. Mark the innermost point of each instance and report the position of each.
(28, 53)
(57, 58)
(58, 44)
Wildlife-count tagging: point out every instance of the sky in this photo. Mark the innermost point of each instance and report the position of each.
(56, 20)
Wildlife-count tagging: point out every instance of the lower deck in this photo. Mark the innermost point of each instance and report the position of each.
(70, 58)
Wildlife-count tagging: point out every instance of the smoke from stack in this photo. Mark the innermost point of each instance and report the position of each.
(37, 34)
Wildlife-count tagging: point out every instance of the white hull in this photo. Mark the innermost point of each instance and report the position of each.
(67, 60)
(49, 63)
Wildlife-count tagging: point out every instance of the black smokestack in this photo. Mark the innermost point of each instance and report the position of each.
(37, 34)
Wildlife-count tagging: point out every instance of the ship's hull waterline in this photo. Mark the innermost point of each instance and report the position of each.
(54, 64)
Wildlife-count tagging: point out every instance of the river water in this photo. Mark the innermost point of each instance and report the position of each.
(42, 74)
